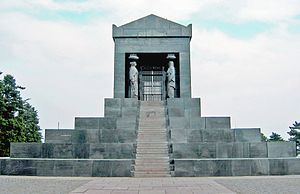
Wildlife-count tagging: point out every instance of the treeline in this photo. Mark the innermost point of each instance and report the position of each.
(18, 118)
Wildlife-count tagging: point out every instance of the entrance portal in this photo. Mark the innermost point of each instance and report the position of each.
(152, 85)
(152, 69)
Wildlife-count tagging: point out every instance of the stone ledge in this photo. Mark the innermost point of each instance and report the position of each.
(69, 150)
(236, 167)
(196, 150)
(66, 167)
(127, 135)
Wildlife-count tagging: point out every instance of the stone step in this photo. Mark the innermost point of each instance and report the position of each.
(151, 141)
(148, 141)
(152, 132)
(153, 159)
(149, 127)
(158, 134)
(152, 169)
(162, 149)
(152, 110)
(165, 166)
(152, 162)
(160, 114)
(152, 148)
(148, 115)
(152, 152)
(147, 130)
(143, 174)
(153, 124)
(162, 163)
(152, 136)
(152, 119)
(150, 155)
(151, 144)
(145, 140)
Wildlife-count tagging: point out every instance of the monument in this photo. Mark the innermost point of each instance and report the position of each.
(152, 126)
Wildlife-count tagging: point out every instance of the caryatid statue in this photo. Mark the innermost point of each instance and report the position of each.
(171, 86)
(133, 77)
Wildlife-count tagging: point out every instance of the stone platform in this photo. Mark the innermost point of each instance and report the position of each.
(146, 139)
(97, 146)
(66, 167)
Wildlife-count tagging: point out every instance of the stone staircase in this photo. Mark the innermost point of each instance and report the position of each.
(152, 155)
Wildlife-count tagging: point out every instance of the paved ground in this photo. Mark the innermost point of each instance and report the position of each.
(209, 185)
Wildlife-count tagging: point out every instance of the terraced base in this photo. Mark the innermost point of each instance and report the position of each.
(236, 167)
(66, 167)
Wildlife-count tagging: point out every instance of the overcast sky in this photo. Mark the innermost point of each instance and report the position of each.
(245, 55)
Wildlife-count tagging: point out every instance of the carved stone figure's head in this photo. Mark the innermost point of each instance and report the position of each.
(171, 64)
(133, 63)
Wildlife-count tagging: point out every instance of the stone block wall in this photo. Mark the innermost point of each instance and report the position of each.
(70, 167)
(233, 150)
(236, 167)
(98, 146)
(207, 146)
(71, 150)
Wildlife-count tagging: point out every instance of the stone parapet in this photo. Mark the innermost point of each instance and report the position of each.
(184, 135)
(66, 167)
(95, 123)
(121, 107)
(126, 135)
(95, 151)
(184, 107)
(247, 135)
(233, 150)
(236, 167)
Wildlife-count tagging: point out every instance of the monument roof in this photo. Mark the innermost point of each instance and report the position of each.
(152, 26)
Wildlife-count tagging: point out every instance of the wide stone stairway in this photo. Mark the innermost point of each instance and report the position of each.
(152, 156)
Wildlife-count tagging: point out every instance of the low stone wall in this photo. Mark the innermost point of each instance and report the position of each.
(121, 107)
(91, 136)
(233, 150)
(236, 167)
(66, 167)
(94, 151)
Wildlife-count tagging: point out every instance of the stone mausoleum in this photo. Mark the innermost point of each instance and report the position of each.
(152, 133)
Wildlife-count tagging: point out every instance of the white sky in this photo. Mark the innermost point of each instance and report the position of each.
(245, 56)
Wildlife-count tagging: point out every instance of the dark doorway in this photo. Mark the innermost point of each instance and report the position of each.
(152, 68)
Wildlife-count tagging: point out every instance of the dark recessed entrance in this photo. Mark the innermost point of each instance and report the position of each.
(152, 69)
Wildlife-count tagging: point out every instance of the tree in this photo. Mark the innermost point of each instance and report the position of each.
(18, 119)
(263, 137)
(275, 137)
(295, 134)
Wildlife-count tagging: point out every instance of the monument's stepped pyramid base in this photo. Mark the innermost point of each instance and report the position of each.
(148, 139)
(96, 147)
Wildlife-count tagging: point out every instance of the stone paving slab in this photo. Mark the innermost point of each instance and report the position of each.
(39, 185)
(206, 185)
(152, 186)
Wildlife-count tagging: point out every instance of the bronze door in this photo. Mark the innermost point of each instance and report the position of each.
(152, 85)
